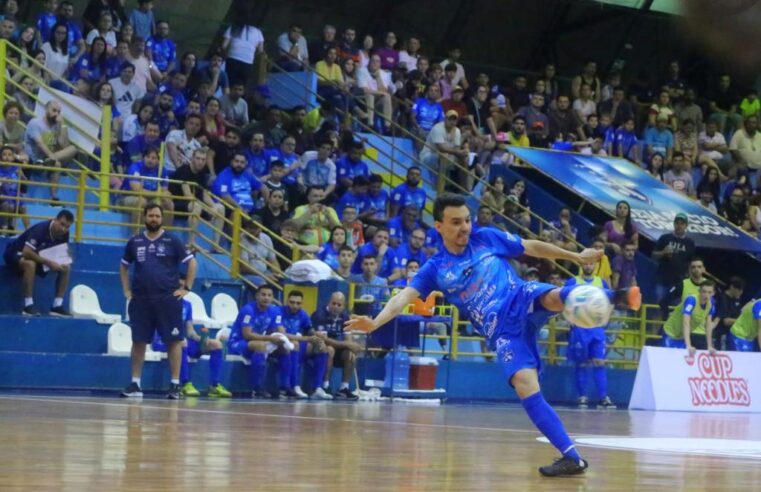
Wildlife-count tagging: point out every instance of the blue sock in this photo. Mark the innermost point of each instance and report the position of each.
(581, 380)
(601, 380)
(215, 366)
(284, 370)
(184, 366)
(547, 421)
(320, 364)
(256, 370)
(295, 369)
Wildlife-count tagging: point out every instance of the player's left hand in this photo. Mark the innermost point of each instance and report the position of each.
(590, 255)
(360, 323)
(180, 293)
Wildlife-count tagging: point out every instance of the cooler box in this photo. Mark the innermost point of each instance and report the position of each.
(423, 373)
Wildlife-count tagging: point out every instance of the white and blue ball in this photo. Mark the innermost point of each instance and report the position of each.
(587, 307)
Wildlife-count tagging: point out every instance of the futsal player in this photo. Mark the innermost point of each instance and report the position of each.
(475, 275)
(251, 333)
(587, 346)
(745, 331)
(691, 324)
(296, 324)
(155, 299)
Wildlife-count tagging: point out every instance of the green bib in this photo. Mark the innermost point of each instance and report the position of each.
(673, 326)
(745, 326)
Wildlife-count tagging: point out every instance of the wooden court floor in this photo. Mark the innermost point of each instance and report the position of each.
(108, 444)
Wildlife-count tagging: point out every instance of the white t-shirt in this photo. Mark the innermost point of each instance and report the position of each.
(749, 148)
(584, 108)
(126, 95)
(110, 38)
(255, 253)
(459, 75)
(142, 71)
(243, 46)
(366, 81)
(408, 61)
(717, 138)
(55, 61)
(439, 135)
(185, 148)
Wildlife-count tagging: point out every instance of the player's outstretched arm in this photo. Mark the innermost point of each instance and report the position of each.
(540, 249)
(391, 310)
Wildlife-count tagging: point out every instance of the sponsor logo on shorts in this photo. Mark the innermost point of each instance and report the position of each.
(175, 331)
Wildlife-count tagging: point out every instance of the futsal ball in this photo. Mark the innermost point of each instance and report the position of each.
(587, 307)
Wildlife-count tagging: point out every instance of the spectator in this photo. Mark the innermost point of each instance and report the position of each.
(11, 130)
(691, 324)
(347, 49)
(274, 182)
(176, 88)
(271, 127)
(355, 197)
(91, 66)
(706, 198)
(126, 32)
(587, 76)
(46, 142)
(412, 249)
(234, 107)
(656, 166)
(274, 212)
(388, 53)
(678, 178)
(350, 166)
(365, 51)
(622, 229)
(484, 218)
(408, 193)
(126, 90)
(378, 88)
(624, 268)
(618, 107)
(662, 109)
(220, 152)
(455, 53)
(426, 112)
(236, 186)
(257, 157)
(675, 84)
(46, 21)
(293, 54)
(213, 122)
(712, 148)
(342, 353)
(602, 267)
(584, 105)
(330, 79)
(517, 135)
(136, 125)
(564, 234)
(673, 252)
(401, 226)
(195, 199)
(257, 254)
(687, 109)
(370, 287)
(315, 220)
(750, 105)
(345, 262)
(686, 142)
(213, 75)
(494, 195)
(144, 182)
(537, 123)
(408, 57)
(104, 31)
(290, 159)
(330, 251)
(729, 307)
(659, 139)
(745, 145)
(736, 209)
(24, 255)
(318, 50)
(57, 50)
(563, 120)
(243, 42)
(456, 103)
(443, 145)
(319, 170)
(95, 7)
(625, 142)
(722, 106)
(478, 112)
(142, 19)
(387, 263)
(290, 247)
(76, 43)
(144, 72)
(180, 144)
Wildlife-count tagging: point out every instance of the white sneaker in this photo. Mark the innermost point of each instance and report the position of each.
(320, 394)
(299, 392)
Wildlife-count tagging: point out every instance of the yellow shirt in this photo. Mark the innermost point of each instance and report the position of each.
(603, 270)
(331, 74)
(317, 229)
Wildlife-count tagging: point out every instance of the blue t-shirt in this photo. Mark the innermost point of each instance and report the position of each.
(45, 23)
(360, 202)
(259, 162)
(379, 203)
(329, 255)
(142, 22)
(346, 168)
(397, 230)
(404, 253)
(37, 237)
(624, 142)
(238, 186)
(75, 34)
(433, 239)
(113, 67)
(138, 145)
(164, 51)
(689, 305)
(404, 195)
(661, 141)
(295, 323)
(480, 282)
(86, 62)
(388, 263)
(427, 113)
(156, 272)
(9, 189)
(260, 321)
(139, 169)
(180, 101)
(316, 173)
(288, 160)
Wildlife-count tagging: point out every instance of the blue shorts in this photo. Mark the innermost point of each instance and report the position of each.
(239, 347)
(194, 349)
(12, 261)
(741, 344)
(163, 315)
(522, 351)
(586, 344)
(669, 342)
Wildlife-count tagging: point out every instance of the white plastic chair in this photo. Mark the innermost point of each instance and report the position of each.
(83, 302)
(200, 316)
(224, 309)
(120, 343)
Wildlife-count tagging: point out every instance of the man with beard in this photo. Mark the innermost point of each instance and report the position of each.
(408, 193)
(221, 151)
(150, 139)
(164, 113)
(234, 107)
(238, 187)
(155, 301)
(176, 87)
(257, 156)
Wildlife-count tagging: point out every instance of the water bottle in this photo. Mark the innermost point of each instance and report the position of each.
(401, 369)
(204, 337)
(389, 360)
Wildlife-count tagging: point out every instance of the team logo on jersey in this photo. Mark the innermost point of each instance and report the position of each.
(246, 319)
(175, 331)
(140, 253)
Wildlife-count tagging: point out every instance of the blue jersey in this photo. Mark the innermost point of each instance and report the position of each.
(45, 23)
(427, 113)
(180, 101)
(433, 239)
(379, 203)
(397, 230)
(388, 263)
(137, 146)
(297, 323)
(317, 173)
(238, 186)
(95, 71)
(9, 188)
(481, 283)
(404, 195)
(359, 202)
(75, 34)
(288, 160)
(329, 255)
(139, 169)
(624, 142)
(163, 51)
(156, 262)
(37, 237)
(348, 169)
(260, 321)
(258, 162)
(404, 253)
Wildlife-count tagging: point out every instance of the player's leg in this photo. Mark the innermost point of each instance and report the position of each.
(597, 353)
(142, 326)
(190, 348)
(28, 270)
(168, 315)
(299, 349)
(61, 284)
(577, 353)
(256, 352)
(328, 367)
(319, 358)
(216, 359)
(283, 357)
(349, 362)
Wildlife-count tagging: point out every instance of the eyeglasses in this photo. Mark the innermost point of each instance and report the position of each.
(419, 238)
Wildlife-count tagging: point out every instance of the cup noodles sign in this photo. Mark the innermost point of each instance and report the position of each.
(715, 384)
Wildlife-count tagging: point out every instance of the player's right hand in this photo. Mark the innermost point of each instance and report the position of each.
(360, 323)
(56, 267)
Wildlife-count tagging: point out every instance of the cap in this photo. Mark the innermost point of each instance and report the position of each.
(452, 112)
(458, 88)
(681, 216)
